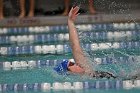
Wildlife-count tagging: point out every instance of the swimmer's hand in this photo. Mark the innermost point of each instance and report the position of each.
(73, 13)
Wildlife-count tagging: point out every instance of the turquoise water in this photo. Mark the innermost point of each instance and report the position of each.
(31, 76)
(86, 91)
(122, 61)
(46, 74)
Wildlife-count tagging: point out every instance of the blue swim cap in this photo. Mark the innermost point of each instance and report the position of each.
(62, 67)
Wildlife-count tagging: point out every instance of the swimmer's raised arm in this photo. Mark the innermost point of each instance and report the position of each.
(77, 51)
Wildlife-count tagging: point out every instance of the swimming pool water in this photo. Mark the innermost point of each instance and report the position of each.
(84, 91)
(27, 60)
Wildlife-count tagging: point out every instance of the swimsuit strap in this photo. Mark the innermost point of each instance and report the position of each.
(101, 74)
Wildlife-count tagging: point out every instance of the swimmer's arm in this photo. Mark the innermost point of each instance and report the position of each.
(74, 41)
(77, 51)
(73, 36)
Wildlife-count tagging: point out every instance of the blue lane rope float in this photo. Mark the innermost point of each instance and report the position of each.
(61, 37)
(62, 86)
(46, 29)
(45, 63)
(106, 84)
(60, 49)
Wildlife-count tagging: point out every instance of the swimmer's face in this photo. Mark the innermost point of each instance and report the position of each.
(75, 68)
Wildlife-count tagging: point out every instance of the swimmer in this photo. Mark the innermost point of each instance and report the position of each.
(22, 8)
(90, 7)
(80, 64)
(1, 9)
